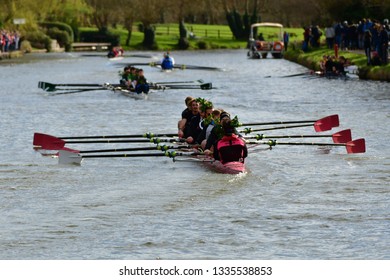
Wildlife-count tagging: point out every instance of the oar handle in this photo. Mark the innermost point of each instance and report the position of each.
(249, 130)
(278, 122)
(158, 147)
(152, 140)
(148, 135)
(262, 136)
(170, 154)
(353, 147)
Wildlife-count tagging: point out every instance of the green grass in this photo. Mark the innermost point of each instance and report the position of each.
(206, 37)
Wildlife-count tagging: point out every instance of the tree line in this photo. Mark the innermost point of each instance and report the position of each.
(237, 14)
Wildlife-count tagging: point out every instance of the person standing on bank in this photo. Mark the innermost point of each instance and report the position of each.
(286, 39)
(367, 41)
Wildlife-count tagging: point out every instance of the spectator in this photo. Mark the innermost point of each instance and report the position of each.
(383, 45)
(286, 39)
(329, 34)
(316, 35)
(367, 45)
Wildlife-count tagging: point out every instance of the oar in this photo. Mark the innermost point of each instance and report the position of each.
(292, 75)
(179, 82)
(153, 63)
(41, 139)
(69, 91)
(353, 147)
(154, 148)
(125, 55)
(194, 67)
(48, 142)
(342, 136)
(51, 87)
(176, 66)
(332, 119)
(205, 86)
(323, 124)
(69, 157)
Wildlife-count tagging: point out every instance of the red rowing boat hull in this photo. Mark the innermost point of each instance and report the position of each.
(234, 167)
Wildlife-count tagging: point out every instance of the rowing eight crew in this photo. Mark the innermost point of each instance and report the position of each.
(213, 130)
(134, 80)
(332, 66)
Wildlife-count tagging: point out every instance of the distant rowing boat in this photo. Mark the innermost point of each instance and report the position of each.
(130, 93)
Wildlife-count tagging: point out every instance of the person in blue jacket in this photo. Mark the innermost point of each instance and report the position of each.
(167, 62)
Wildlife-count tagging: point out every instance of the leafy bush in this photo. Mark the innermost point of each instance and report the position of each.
(62, 38)
(39, 40)
(25, 46)
(202, 45)
(184, 44)
(101, 36)
(61, 26)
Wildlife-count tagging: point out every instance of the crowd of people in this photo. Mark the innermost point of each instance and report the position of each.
(212, 130)
(133, 79)
(9, 40)
(371, 36)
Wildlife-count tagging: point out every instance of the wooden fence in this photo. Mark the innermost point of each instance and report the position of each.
(195, 32)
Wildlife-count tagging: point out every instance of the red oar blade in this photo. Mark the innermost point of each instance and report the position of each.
(326, 123)
(342, 136)
(47, 142)
(334, 120)
(356, 146)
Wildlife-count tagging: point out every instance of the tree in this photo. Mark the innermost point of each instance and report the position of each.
(240, 25)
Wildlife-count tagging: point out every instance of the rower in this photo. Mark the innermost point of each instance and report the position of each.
(167, 62)
(141, 84)
(230, 147)
(210, 123)
(196, 124)
(186, 116)
(217, 133)
(125, 77)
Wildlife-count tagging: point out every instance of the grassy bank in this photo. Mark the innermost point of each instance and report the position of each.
(205, 37)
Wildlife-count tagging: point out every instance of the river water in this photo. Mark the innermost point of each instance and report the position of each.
(295, 202)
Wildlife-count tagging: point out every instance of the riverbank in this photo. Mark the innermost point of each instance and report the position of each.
(9, 55)
(312, 58)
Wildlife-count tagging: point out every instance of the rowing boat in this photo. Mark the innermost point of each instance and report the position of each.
(178, 151)
(234, 167)
(130, 93)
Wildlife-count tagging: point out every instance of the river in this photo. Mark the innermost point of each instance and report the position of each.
(295, 202)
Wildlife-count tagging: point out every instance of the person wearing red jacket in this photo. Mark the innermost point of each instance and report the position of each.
(230, 147)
